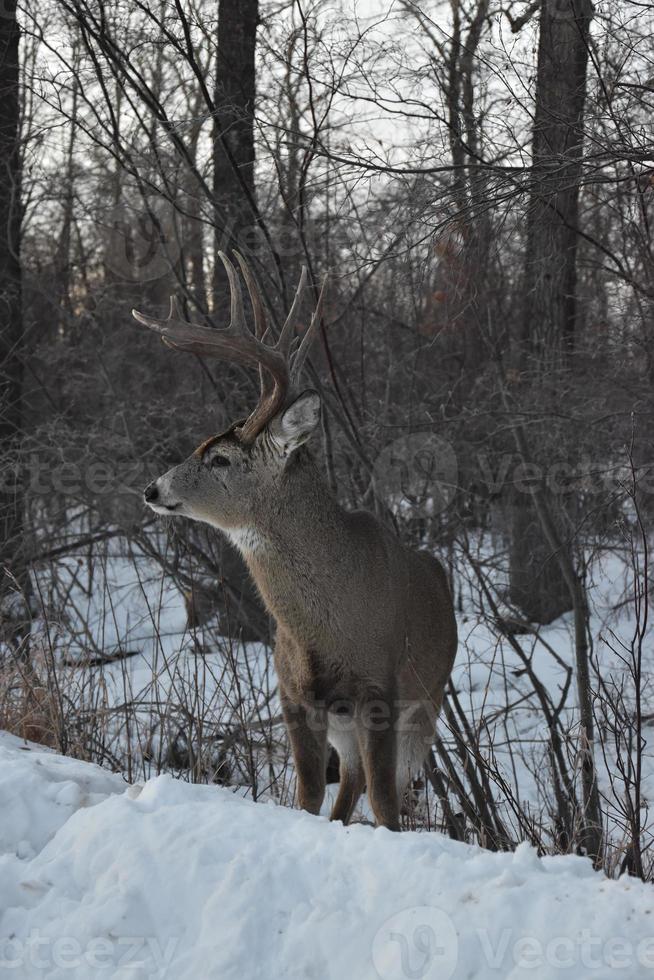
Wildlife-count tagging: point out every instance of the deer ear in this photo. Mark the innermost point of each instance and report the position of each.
(295, 424)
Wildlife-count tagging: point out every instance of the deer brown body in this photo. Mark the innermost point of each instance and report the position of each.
(366, 635)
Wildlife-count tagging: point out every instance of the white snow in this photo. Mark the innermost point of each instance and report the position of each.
(102, 879)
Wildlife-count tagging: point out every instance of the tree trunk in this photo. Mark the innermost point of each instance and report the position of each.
(550, 271)
(537, 586)
(234, 200)
(548, 326)
(12, 558)
(233, 137)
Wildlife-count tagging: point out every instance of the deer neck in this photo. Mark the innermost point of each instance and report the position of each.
(291, 546)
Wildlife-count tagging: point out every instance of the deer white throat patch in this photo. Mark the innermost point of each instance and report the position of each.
(247, 539)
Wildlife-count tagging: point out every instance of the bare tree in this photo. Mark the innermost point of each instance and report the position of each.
(538, 585)
(12, 339)
(233, 122)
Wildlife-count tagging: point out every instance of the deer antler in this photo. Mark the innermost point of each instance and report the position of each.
(279, 364)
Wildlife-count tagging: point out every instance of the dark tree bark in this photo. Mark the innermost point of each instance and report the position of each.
(548, 326)
(233, 137)
(234, 202)
(550, 273)
(12, 566)
(62, 256)
(537, 586)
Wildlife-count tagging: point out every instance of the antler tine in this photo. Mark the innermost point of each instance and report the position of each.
(300, 355)
(273, 367)
(266, 383)
(288, 330)
(279, 365)
(237, 322)
(156, 323)
(260, 321)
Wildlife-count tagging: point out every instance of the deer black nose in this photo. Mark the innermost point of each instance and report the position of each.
(151, 493)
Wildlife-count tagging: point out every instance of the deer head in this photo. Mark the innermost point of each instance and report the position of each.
(231, 476)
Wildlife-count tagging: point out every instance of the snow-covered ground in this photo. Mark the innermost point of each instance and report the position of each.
(168, 879)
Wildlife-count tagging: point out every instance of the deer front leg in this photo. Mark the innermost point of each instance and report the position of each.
(307, 730)
(377, 718)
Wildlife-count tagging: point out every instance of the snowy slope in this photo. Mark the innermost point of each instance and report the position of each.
(98, 879)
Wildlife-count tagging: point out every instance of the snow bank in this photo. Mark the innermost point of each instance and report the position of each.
(98, 879)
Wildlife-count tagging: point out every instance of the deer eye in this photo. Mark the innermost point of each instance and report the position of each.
(219, 461)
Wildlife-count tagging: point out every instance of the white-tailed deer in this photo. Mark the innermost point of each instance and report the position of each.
(366, 635)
